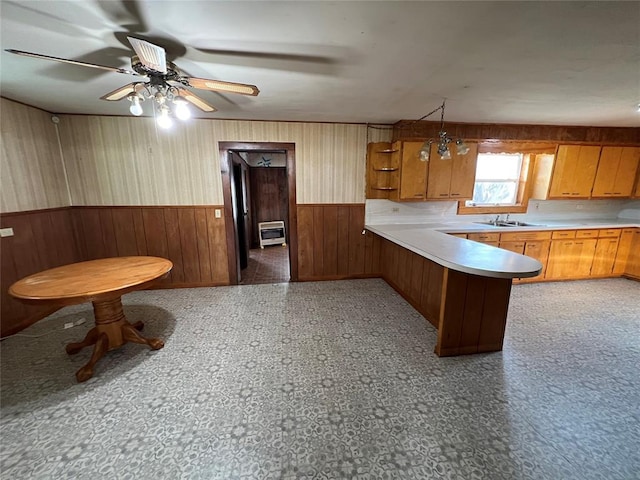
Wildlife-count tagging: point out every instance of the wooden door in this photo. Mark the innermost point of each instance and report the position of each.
(538, 249)
(616, 172)
(413, 172)
(574, 171)
(463, 175)
(439, 176)
(604, 257)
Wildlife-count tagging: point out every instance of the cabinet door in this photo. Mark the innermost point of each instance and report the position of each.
(439, 177)
(616, 172)
(516, 247)
(570, 259)
(539, 250)
(584, 252)
(633, 261)
(413, 172)
(463, 176)
(604, 257)
(574, 171)
(624, 249)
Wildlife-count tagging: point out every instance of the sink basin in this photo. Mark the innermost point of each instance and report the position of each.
(512, 223)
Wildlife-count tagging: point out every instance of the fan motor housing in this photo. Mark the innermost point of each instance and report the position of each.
(173, 73)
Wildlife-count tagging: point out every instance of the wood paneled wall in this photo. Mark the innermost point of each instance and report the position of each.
(269, 199)
(331, 244)
(125, 161)
(42, 239)
(191, 237)
(411, 130)
(32, 170)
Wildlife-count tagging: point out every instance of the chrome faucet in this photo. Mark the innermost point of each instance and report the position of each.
(496, 220)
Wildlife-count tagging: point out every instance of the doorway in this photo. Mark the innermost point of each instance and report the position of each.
(258, 182)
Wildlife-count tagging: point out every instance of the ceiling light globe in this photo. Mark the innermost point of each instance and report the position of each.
(136, 108)
(182, 111)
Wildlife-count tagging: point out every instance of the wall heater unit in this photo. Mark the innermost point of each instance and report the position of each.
(271, 233)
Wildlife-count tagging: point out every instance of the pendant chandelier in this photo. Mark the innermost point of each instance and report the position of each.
(442, 141)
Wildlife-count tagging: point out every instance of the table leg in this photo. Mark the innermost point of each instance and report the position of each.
(112, 330)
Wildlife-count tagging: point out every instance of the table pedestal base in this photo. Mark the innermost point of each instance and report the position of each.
(112, 330)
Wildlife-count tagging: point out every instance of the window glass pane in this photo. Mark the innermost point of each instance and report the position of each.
(495, 193)
(498, 166)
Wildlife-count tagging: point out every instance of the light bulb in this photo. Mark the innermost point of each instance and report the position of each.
(135, 108)
(461, 147)
(182, 111)
(164, 120)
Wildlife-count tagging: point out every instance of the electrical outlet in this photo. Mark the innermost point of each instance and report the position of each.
(6, 232)
(537, 206)
(218, 213)
(579, 206)
(395, 209)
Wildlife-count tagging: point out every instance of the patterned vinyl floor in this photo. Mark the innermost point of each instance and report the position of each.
(330, 380)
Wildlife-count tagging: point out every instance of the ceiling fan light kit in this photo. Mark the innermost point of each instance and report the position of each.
(164, 85)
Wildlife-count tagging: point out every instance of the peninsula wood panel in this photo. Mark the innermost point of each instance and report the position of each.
(191, 237)
(331, 244)
(32, 170)
(469, 311)
(42, 239)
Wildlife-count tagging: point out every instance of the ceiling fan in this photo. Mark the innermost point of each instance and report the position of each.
(165, 83)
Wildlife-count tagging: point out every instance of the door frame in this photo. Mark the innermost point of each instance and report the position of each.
(230, 222)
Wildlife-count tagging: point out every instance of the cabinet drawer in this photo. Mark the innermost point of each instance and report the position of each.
(460, 235)
(484, 237)
(560, 234)
(609, 233)
(587, 234)
(524, 236)
(517, 247)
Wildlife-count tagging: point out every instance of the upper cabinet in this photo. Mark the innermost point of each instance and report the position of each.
(574, 171)
(452, 179)
(413, 172)
(383, 168)
(616, 172)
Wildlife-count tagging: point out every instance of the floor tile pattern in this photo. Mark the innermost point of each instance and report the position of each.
(330, 380)
(268, 265)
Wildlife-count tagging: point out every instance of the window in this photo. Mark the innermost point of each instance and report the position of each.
(498, 177)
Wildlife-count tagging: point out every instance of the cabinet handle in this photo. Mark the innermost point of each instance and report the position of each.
(418, 195)
(456, 194)
(565, 193)
(444, 194)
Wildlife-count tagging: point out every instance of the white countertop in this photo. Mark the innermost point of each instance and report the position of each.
(431, 241)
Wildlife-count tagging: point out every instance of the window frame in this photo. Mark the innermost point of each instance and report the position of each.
(529, 150)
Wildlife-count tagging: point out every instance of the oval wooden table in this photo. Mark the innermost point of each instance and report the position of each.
(102, 282)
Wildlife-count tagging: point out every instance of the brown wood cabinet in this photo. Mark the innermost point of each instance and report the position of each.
(574, 171)
(604, 257)
(454, 178)
(383, 166)
(532, 244)
(632, 267)
(492, 239)
(570, 258)
(413, 172)
(616, 173)
(624, 249)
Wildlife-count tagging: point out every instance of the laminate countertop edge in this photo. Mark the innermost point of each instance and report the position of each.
(458, 253)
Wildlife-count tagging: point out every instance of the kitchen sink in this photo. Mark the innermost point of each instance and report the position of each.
(510, 223)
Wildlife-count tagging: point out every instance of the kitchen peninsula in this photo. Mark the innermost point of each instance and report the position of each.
(461, 287)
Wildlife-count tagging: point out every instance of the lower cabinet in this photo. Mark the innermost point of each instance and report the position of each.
(604, 257)
(632, 267)
(538, 249)
(570, 258)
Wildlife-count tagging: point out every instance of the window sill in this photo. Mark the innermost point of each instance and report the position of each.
(464, 210)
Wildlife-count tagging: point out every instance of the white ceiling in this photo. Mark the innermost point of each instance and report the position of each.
(565, 63)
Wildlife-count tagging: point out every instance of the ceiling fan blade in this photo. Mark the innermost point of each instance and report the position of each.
(72, 62)
(122, 92)
(220, 86)
(151, 56)
(195, 100)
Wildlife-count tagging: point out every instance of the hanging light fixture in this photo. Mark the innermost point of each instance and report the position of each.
(165, 97)
(442, 141)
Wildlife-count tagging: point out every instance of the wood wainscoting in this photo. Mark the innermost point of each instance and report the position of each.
(190, 236)
(469, 311)
(331, 243)
(42, 239)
